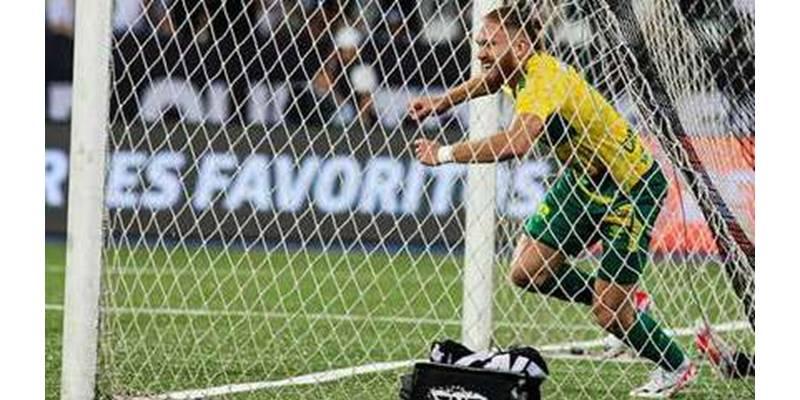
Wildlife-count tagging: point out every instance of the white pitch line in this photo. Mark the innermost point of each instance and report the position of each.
(324, 377)
(309, 379)
(282, 315)
(723, 327)
(60, 269)
(269, 314)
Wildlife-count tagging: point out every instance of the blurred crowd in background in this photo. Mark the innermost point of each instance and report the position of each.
(318, 41)
(332, 60)
(432, 18)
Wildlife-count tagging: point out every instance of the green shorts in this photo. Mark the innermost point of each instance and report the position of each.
(577, 213)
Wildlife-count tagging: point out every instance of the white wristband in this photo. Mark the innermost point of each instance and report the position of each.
(445, 154)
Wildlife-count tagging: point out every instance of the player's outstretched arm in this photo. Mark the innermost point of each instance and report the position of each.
(516, 141)
(422, 107)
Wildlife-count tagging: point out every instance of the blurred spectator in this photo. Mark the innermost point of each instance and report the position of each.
(158, 18)
(188, 22)
(393, 47)
(200, 28)
(394, 29)
(58, 59)
(269, 16)
(727, 40)
(444, 21)
(380, 13)
(59, 16)
(356, 79)
(128, 15)
(318, 17)
(341, 90)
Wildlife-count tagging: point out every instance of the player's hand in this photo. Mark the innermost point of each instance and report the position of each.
(420, 108)
(426, 151)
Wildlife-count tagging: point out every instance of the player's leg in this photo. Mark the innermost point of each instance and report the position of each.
(625, 228)
(553, 233)
(539, 268)
(620, 270)
(614, 310)
(612, 345)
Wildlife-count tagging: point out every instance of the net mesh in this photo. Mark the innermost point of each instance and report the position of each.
(268, 229)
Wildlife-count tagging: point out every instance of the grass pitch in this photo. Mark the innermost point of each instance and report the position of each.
(190, 318)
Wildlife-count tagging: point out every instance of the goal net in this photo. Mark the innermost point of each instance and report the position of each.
(268, 233)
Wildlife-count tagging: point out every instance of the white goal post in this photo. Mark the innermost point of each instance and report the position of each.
(246, 218)
(87, 170)
(479, 243)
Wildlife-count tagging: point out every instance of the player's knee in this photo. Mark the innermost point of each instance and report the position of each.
(530, 266)
(519, 277)
(612, 317)
(604, 316)
(608, 318)
(531, 275)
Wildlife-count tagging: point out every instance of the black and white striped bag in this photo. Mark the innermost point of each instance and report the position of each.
(456, 372)
(525, 360)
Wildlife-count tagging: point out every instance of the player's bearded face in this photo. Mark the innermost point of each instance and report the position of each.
(496, 51)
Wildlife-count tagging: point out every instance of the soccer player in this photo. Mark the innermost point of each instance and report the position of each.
(611, 189)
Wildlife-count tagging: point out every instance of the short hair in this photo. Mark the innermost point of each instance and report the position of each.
(519, 17)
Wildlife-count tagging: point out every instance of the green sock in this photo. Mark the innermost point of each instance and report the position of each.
(651, 342)
(570, 285)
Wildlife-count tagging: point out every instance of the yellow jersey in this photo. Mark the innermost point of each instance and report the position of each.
(582, 127)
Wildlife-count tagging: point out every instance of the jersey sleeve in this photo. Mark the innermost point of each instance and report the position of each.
(545, 88)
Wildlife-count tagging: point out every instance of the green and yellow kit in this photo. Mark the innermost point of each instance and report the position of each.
(611, 189)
